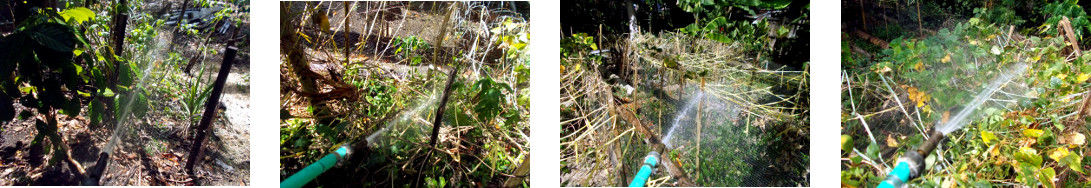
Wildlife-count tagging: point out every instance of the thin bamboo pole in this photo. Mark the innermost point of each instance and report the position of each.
(697, 156)
(920, 25)
(347, 30)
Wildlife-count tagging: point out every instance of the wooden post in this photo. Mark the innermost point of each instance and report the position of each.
(119, 33)
(1066, 26)
(204, 126)
(700, 108)
(347, 30)
(520, 173)
(178, 24)
(121, 19)
(443, 104)
(450, 77)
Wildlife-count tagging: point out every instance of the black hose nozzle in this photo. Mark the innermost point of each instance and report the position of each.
(930, 144)
(95, 172)
(911, 164)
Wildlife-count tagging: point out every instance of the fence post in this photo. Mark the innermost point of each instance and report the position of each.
(204, 126)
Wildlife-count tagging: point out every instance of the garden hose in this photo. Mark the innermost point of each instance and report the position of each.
(650, 162)
(339, 156)
(911, 163)
(95, 173)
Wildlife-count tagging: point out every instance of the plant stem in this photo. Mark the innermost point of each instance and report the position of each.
(450, 77)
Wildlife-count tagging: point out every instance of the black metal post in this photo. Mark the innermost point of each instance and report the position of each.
(203, 127)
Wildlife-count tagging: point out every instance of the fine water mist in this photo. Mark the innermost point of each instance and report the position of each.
(685, 111)
(960, 119)
(404, 119)
(126, 109)
(150, 60)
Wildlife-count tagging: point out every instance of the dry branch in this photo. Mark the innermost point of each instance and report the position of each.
(1071, 36)
(871, 39)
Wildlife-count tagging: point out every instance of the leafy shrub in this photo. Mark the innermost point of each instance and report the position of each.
(999, 15)
(1053, 12)
(410, 48)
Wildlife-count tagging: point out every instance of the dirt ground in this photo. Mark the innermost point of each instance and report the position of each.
(152, 150)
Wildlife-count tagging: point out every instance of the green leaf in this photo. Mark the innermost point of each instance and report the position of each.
(140, 106)
(1046, 177)
(79, 14)
(97, 111)
(55, 36)
(107, 92)
(873, 151)
(987, 136)
(125, 76)
(1030, 156)
(1073, 162)
(72, 108)
(489, 97)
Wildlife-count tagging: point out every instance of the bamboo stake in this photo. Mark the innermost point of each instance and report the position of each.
(347, 30)
(697, 156)
(205, 125)
(920, 25)
(178, 25)
(1067, 25)
(520, 173)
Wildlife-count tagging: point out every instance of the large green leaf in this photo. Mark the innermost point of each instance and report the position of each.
(55, 36)
(135, 102)
(78, 14)
(715, 24)
(489, 98)
(125, 76)
(97, 111)
(72, 108)
(140, 106)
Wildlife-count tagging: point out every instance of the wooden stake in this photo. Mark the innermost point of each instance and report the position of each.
(450, 77)
(347, 30)
(1067, 25)
(213, 103)
(520, 173)
(920, 25)
(697, 156)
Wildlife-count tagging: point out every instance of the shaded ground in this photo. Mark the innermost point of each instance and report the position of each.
(151, 150)
(409, 83)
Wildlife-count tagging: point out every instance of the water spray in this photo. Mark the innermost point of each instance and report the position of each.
(650, 162)
(95, 173)
(678, 118)
(911, 164)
